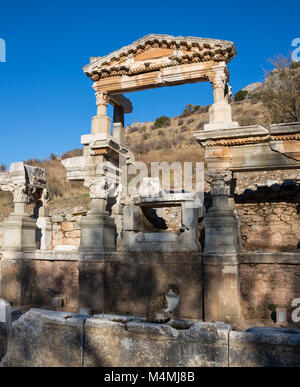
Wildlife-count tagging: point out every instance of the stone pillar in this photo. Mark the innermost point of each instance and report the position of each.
(44, 227)
(221, 271)
(98, 229)
(220, 116)
(19, 227)
(19, 233)
(101, 122)
(17, 273)
(118, 124)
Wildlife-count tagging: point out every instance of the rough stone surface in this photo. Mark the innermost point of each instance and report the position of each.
(269, 226)
(262, 284)
(44, 338)
(264, 347)
(138, 344)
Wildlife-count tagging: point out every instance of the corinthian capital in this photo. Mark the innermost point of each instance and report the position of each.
(219, 79)
(101, 98)
(219, 182)
(99, 187)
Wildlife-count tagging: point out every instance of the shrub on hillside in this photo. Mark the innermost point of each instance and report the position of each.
(281, 91)
(178, 140)
(161, 122)
(145, 136)
(55, 189)
(200, 125)
(133, 129)
(240, 95)
(73, 153)
(2, 167)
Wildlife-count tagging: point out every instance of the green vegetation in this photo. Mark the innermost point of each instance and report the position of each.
(161, 122)
(240, 95)
(281, 91)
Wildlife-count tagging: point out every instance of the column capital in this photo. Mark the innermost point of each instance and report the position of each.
(219, 182)
(99, 187)
(102, 98)
(219, 78)
(26, 183)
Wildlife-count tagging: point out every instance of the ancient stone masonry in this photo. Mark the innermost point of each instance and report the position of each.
(27, 184)
(232, 254)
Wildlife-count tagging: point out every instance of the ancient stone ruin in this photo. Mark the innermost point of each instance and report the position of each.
(125, 252)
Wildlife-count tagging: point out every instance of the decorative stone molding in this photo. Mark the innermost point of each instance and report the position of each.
(101, 98)
(25, 182)
(154, 52)
(220, 79)
(99, 187)
(219, 182)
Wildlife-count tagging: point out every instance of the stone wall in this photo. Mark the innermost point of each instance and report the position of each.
(268, 205)
(114, 341)
(269, 227)
(268, 279)
(66, 229)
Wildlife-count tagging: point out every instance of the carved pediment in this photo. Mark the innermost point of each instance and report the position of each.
(154, 52)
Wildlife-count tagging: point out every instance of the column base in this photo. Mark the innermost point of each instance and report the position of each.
(98, 233)
(220, 117)
(19, 233)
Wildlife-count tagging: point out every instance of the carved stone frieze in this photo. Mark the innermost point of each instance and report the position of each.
(154, 52)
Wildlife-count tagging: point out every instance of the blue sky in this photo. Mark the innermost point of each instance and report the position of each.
(46, 101)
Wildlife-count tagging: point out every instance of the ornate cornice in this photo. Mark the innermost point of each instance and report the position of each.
(164, 51)
(286, 137)
(236, 141)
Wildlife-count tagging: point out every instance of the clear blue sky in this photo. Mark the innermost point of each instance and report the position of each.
(46, 102)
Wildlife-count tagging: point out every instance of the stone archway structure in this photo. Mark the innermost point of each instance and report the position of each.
(157, 61)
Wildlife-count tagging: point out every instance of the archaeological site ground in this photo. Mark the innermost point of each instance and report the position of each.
(221, 221)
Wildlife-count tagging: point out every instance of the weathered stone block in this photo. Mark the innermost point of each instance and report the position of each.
(117, 342)
(43, 338)
(264, 347)
(67, 226)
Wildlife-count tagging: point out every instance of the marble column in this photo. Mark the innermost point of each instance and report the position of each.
(220, 258)
(220, 116)
(19, 227)
(98, 229)
(101, 123)
(118, 124)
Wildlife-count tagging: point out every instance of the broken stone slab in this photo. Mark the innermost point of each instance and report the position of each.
(44, 338)
(113, 342)
(265, 347)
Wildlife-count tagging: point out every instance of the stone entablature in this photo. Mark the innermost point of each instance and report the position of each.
(275, 148)
(154, 52)
(25, 182)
